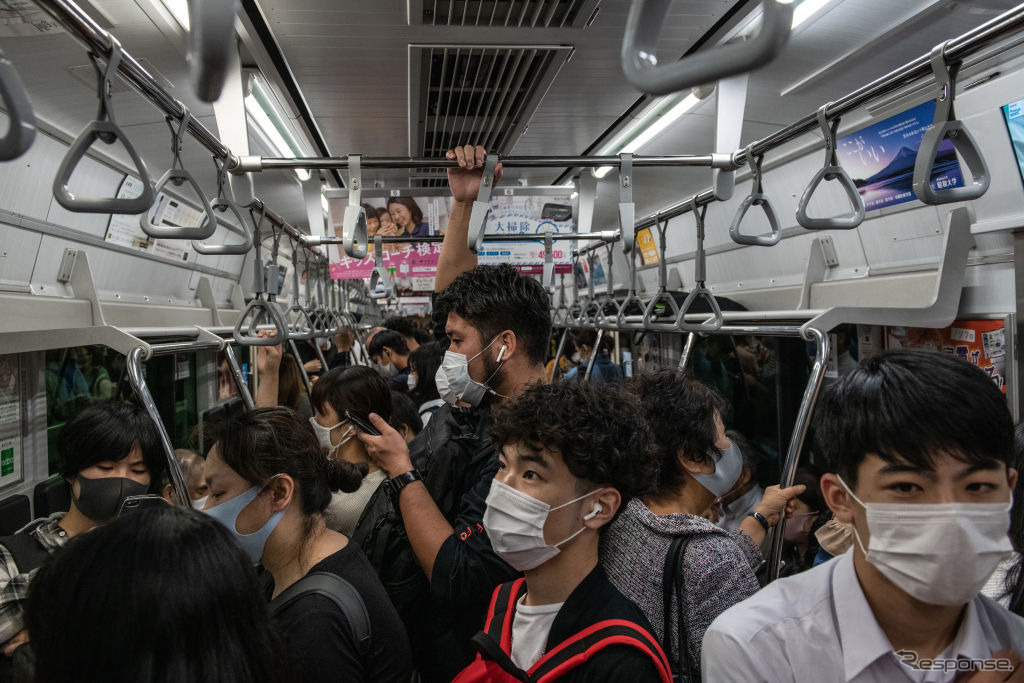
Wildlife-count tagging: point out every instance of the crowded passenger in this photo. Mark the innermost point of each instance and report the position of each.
(423, 365)
(390, 354)
(571, 455)
(193, 471)
(737, 505)
(408, 330)
(800, 546)
(158, 595)
(599, 360)
(917, 446)
(697, 464)
(270, 482)
(109, 451)
(279, 380)
(405, 416)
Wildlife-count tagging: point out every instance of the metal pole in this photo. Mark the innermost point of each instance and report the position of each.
(255, 163)
(323, 361)
(593, 355)
(302, 368)
(558, 354)
(796, 443)
(236, 372)
(138, 382)
(684, 360)
(604, 236)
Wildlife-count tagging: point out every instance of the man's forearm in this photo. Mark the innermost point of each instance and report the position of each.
(424, 524)
(456, 257)
(266, 391)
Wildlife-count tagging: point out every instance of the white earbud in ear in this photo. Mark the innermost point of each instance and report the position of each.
(593, 513)
(504, 348)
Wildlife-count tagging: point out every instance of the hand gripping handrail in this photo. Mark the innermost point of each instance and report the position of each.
(831, 171)
(699, 289)
(946, 125)
(106, 130)
(260, 308)
(300, 325)
(627, 209)
(662, 293)
(21, 131)
(177, 175)
(221, 204)
(757, 197)
(354, 232)
(482, 205)
(381, 286)
(640, 43)
(211, 40)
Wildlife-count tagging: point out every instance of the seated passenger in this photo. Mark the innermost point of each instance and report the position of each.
(193, 468)
(603, 370)
(270, 481)
(570, 455)
(404, 416)
(423, 365)
(916, 444)
(697, 465)
(109, 451)
(187, 606)
(390, 353)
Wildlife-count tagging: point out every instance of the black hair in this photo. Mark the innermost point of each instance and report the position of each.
(681, 413)
(290, 388)
(589, 337)
(107, 431)
(812, 496)
(911, 406)
(408, 202)
(359, 389)
(402, 326)
(599, 431)
(381, 210)
(494, 299)
(405, 413)
(265, 442)
(425, 361)
(371, 211)
(162, 594)
(391, 339)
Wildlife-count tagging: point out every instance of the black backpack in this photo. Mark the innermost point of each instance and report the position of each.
(344, 595)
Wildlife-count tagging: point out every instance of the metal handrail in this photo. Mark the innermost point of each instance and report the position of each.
(249, 164)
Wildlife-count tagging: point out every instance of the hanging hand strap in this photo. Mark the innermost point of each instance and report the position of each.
(757, 197)
(21, 131)
(354, 233)
(221, 204)
(831, 171)
(482, 205)
(259, 309)
(662, 295)
(627, 209)
(699, 289)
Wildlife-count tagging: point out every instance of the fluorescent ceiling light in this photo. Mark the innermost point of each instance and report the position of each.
(260, 107)
(806, 9)
(658, 117)
(179, 10)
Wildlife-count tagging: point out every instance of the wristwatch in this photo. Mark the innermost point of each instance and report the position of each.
(396, 484)
(762, 520)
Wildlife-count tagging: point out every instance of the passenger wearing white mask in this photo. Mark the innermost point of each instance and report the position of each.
(390, 353)
(917, 446)
(363, 391)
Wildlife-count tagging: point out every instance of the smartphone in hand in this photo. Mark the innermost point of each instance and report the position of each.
(361, 424)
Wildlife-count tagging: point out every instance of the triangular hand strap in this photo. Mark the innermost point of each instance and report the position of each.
(21, 132)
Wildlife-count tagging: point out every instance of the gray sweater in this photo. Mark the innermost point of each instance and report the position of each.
(717, 569)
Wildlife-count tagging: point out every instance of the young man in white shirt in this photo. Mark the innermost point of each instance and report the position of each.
(918, 446)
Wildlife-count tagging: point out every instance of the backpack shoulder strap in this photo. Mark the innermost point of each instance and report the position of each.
(580, 648)
(28, 553)
(344, 595)
(495, 641)
(671, 582)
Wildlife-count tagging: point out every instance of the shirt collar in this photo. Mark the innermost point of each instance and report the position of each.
(860, 637)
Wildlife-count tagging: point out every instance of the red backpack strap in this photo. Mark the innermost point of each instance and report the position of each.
(498, 626)
(578, 649)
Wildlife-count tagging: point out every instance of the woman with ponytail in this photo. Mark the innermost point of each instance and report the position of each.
(270, 481)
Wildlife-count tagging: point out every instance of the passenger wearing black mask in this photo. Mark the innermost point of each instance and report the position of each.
(108, 452)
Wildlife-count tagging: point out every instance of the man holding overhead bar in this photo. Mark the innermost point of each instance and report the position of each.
(495, 325)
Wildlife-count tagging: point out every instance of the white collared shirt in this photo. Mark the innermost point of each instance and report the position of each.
(737, 511)
(818, 626)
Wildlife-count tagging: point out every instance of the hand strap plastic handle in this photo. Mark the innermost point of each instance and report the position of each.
(482, 205)
(831, 171)
(627, 209)
(354, 235)
(548, 279)
(211, 39)
(177, 175)
(947, 126)
(220, 205)
(699, 290)
(639, 47)
(258, 310)
(757, 197)
(381, 286)
(105, 129)
(22, 131)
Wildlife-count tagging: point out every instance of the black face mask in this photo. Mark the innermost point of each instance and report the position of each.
(100, 499)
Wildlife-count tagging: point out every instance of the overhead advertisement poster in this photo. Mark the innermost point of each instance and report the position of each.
(979, 342)
(880, 158)
(520, 211)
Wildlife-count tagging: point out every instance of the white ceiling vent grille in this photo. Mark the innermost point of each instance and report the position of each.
(506, 13)
(484, 95)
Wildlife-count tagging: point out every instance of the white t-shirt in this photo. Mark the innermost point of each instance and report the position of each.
(530, 628)
(344, 510)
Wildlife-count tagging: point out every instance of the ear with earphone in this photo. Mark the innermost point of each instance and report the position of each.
(504, 348)
(593, 513)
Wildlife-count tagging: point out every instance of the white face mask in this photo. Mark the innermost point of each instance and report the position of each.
(454, 383)
(411, 381)
(576, 358)
(515, 521)
(199, 503)
(324, 344)
(323, 435)
(942, 553)
(388, 370)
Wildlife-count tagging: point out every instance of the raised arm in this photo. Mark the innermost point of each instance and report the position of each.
(268, 363)
(464, 182)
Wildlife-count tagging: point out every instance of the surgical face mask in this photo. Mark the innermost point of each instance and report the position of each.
(515, 521)
(576, 358)
(388, 370)
(99, 499)
(454, 383)
(796, 528)
(227, 514)
(199, 503)
(324, 344)
(728, 468)
(939, 553)
(323, 435)
(411, 381)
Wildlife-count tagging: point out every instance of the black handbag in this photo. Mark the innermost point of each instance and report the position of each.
(673, 583)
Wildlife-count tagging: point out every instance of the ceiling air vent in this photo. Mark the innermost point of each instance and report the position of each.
(483, 95)
(506, 13)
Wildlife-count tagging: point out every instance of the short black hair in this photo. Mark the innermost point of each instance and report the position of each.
(404, 413)
(425, 361)
(681, 413)
(107, 431)
(497, 298)
(391, 339)
(600, 433)
(168, 585)
(402, 326)
(358, 388)
(911, 406)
